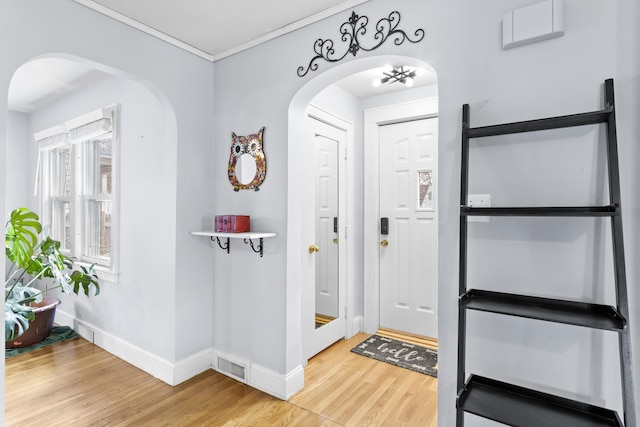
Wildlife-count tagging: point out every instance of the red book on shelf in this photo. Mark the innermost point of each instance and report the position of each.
(241, 223)
(232, 223)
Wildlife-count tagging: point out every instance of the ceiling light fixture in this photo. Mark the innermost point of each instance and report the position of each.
(397, 74)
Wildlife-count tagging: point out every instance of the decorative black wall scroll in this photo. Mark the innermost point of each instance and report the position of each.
(352, 32)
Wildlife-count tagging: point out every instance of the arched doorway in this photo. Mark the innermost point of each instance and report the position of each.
(96, 86)
(356, 299)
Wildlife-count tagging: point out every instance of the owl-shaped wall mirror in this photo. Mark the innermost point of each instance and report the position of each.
(247, 163)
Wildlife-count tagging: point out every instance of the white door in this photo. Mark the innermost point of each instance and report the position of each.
(323, 217)
(326, 218)
(408, 252)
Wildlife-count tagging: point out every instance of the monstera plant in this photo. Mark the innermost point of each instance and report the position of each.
(36, 260)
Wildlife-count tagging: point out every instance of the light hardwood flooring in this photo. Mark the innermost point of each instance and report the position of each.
(75, 383)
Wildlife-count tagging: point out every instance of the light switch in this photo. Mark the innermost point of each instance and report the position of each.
(479, 201)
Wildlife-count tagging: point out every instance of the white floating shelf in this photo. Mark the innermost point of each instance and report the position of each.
(248, 235)
(216, 236)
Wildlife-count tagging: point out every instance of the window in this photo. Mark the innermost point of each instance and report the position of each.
(77, 168)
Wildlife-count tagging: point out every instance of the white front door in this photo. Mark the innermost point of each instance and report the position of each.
(409, 249)
(323, 219)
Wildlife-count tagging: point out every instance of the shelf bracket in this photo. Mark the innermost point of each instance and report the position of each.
(257, 250)
(217, 239)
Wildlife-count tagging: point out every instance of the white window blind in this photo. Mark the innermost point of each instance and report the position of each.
(89, 126)
(83, 128)
(49, 139)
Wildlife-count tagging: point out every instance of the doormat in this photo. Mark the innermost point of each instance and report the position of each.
(58, 334)
(398, 353)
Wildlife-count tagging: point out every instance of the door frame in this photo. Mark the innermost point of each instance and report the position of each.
(373, 119)
(347, 181)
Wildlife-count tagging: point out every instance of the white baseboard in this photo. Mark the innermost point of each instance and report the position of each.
(170, 373)
(277, 385)
(256, 376)
(191, 366)
(358, 324)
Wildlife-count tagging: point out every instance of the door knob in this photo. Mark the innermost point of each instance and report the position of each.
(335, 240)
(384, 243)
(313, 248)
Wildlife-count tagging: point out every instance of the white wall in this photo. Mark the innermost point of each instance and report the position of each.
(144, 279)
(162, 302)
(403, 96)
(19, 191)
(462, 44)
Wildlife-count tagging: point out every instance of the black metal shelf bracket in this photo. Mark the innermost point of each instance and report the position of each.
(223, 239)
(223, 247)
(257, 249)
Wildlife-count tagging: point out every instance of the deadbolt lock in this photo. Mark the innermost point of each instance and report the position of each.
(384, 243)
(335, 240)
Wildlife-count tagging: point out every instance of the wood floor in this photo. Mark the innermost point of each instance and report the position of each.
(75, 383)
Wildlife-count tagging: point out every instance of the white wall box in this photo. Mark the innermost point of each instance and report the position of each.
(538, 22)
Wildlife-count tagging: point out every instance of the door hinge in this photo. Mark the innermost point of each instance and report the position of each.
(345, 313)
(345, 233)
(345, 153)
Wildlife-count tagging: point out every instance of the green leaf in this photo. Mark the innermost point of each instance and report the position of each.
(40, 260)
(16, 322)
(85, 278)
(23, 295)
(17, 312)
(21, 236)
(34, 267)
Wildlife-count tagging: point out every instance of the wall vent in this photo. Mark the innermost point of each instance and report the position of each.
(85, 331)
(232, 369)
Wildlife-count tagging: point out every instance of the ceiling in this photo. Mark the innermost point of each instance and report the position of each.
(212, 29)
(40, 82)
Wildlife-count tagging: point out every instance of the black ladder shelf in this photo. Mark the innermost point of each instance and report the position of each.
(508, 403)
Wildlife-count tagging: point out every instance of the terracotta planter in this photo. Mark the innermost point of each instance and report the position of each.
(40, 327)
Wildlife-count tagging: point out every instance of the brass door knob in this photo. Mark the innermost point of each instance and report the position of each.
(384, 243)
(335, 240)
(313, 248)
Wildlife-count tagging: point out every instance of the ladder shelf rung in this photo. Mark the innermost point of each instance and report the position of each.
(582, 119)
(574, 211)
(590, 315)
(514, 405)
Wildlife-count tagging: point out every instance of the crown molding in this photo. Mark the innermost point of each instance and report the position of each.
(214, 57)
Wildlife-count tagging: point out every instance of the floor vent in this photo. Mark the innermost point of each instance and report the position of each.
(232, 369)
